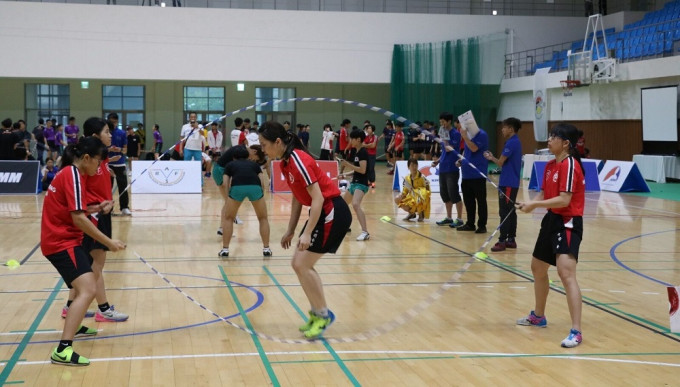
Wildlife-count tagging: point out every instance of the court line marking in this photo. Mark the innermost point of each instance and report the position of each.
(330, 349)
(244, 316)
(30, 254)
(612, 255)
(461, 355)
(664, 212)
(9, 365)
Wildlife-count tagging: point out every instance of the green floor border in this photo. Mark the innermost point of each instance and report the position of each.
(330, 349)
(665, 191)
(29, 334)
(256, 340)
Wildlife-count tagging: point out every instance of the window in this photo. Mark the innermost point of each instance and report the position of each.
(207, 102)
(47, 101)
(127, 101)
(274, 112)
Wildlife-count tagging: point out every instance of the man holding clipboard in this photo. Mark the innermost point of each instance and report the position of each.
(474, 184)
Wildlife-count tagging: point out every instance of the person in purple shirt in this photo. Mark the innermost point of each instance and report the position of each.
(50, 135)
(474, 184)
(59, 140)
(511, 162)
(157, 141)
(71, 131)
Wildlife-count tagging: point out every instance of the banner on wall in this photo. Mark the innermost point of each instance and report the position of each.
(541, 104)
(278, 180)
(19, 177)
(425, 167)
(592, 183)
(166, 177)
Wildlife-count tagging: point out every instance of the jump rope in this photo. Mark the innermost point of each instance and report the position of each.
(384, 328)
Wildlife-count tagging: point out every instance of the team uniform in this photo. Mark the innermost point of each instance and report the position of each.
(359, 180)
(158, 138)
(509, 184)
(60, 239)
(398, 148)
(416, 195)
(245, 180)
(221, 164)
(562, 228)
(326, 145)
(372, 154)
(301, 171)
(343, 141)
(99, 189)
(388, 134)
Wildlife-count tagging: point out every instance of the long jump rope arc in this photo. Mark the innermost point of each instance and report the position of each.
(383, 328)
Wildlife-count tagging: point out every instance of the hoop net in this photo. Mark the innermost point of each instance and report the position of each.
(568, 86)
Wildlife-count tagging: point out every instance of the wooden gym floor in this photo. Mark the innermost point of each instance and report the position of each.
(467, 336)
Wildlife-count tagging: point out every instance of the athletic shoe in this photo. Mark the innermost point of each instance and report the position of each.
(499, 246)
(207, 174)
(511, 244)
(219, 231)
(267, 252)
(533, 320)
(421, 217)
(85, 331)
(64, 311)
(224, 252)
(238, 220)
(409, 217)
(481, 230)
(125, 212)
(110, 315)
(390, 172)
(466, 227)
(445, 221)
(68, 357)
(457, 223)
(319, 325)
(308, 324)
(575, 338)
(364, 236)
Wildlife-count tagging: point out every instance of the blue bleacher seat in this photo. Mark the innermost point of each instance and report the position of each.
(626, 53)
(619, 53)
(668, 46)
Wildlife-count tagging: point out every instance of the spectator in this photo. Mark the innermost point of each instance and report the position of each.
(237, 135)
(117, 152)
(387, 134)
(474, 184)
(327, 143)
(448, 171)
(157, 141)
(134, 144)
(59, 139)
(192, 147)
(303, 134)
(8, 141)
(48, 173)
(71, 130)
(50, 134)
(40, 142)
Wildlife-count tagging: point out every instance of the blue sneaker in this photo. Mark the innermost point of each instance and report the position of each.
(575, 338)
(533, 320)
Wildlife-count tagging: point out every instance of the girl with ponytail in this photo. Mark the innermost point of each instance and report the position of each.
(561, 229)
(64, 221)
(329, 217)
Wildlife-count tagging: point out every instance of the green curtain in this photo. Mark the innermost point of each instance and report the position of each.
(454, 76)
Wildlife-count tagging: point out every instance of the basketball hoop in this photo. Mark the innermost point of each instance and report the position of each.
(568, 85)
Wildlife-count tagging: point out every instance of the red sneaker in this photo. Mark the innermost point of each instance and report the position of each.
(499, 246)
(511, 244)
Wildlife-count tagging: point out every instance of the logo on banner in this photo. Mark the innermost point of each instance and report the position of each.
(613, 174)
(166, 176)
(10, 177)
(539, 102)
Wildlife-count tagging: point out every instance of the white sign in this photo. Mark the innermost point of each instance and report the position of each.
(621, 176)
(166, 177)
(424, 166)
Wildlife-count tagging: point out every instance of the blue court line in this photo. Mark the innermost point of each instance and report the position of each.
(612, 254)
(330, 349)
(258, 303)
(256, 340)
(30, 254)
(27, 337)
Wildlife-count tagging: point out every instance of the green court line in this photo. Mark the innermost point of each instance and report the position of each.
(45, 299)
(330, 349)
(29, 334)
(365, 359)
(256, 340)
(591, 300)
(15, 382)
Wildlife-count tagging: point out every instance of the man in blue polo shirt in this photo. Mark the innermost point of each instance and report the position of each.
(119, 148)
(511, 162)
(448, 171)
(474, 184)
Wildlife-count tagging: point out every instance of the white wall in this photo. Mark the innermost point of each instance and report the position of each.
(618, 100)
(82, 41)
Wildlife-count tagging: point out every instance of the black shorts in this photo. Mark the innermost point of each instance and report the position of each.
(448, 187)
(557, 238)
(103, 223)
(71, 263)
(399, 153)
(52, 145)
(329, 233)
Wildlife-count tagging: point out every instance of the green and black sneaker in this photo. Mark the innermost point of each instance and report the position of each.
(69, 358)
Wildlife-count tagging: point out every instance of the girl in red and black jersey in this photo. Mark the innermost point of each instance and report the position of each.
(329, 217)
(561, 229)
(64, 220)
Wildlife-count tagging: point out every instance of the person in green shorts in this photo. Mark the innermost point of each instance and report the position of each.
(243, 180)
(357, 162)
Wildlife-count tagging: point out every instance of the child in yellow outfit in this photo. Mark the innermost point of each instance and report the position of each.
(415, 197)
